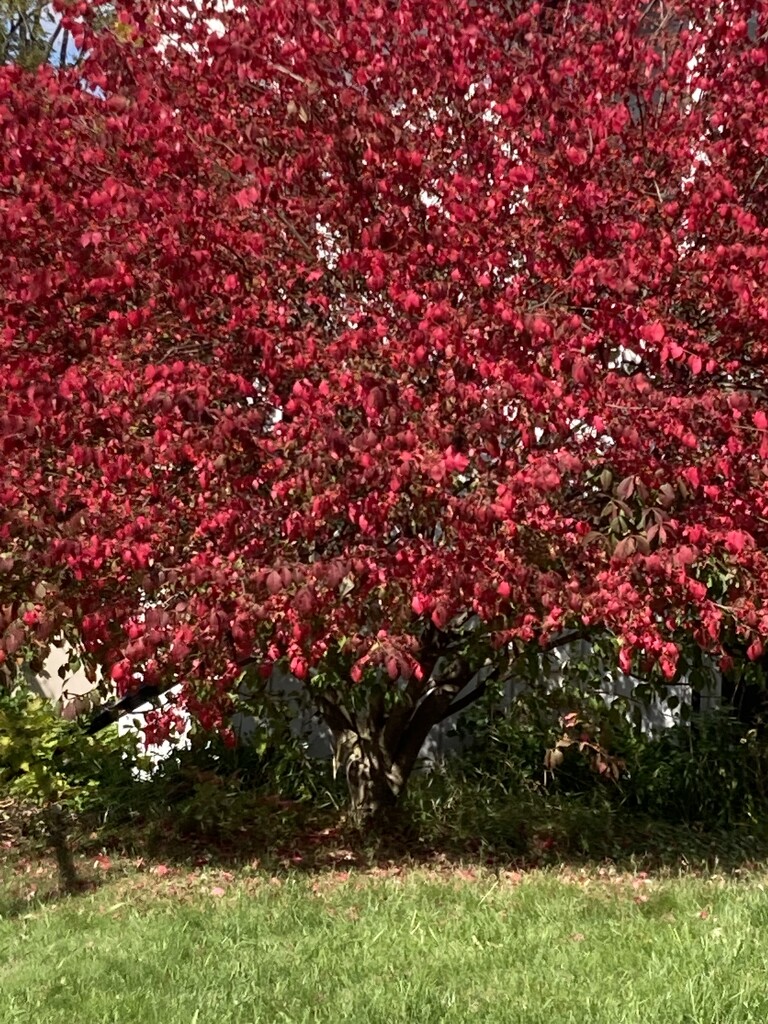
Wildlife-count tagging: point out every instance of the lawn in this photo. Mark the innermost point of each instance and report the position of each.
(388, 945)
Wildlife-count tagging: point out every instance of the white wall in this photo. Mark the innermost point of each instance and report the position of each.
(655, 716)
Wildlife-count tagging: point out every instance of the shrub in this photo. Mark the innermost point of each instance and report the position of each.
(44, 758)
(710, 769)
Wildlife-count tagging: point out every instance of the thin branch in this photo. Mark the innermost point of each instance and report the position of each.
(470, 698)
(287, 71)
(109, 713)
(64, 45)
(52, 42)
(336, 715)
(7, 42)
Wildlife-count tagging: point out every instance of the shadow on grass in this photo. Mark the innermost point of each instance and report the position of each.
(18, 905)
(523, 833)
(448, 833)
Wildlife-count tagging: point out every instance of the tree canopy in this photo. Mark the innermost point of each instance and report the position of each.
(376, 336)
(31, 33)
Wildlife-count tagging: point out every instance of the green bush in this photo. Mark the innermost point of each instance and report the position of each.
(103, 784)
(710, 769)
(53, 768)
(44, 758)
(210, 788)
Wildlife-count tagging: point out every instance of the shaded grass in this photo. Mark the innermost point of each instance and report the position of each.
(213, 805)
(227, 826)
(391, 946)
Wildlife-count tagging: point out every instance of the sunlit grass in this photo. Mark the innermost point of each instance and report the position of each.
(427, 945)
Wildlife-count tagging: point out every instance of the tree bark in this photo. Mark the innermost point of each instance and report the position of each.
(56, 827)
(374, 782)
(378, 750)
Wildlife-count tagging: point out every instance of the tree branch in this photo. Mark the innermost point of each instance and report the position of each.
(335, 714)
(470, 698)
(52, 42)
(109, 713)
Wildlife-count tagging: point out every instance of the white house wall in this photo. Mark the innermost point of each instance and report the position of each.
(442, 740)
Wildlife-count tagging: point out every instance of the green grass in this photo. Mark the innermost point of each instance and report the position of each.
(390, 946)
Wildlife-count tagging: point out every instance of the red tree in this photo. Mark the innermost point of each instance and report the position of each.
(326, 325)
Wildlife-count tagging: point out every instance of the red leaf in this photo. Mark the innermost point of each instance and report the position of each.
(577, 156)
(274, 582)
(298, 667)
(437, 471)
(755, 650)
(582, 371)
(439, 616)
(735, 541)
(653, 332)
(626, 488)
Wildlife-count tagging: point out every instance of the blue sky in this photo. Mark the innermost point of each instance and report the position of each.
(50, 22)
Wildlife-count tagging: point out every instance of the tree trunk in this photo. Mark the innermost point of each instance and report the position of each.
(56, 827)
(379, 746)
(379, 751)
(375, 783)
